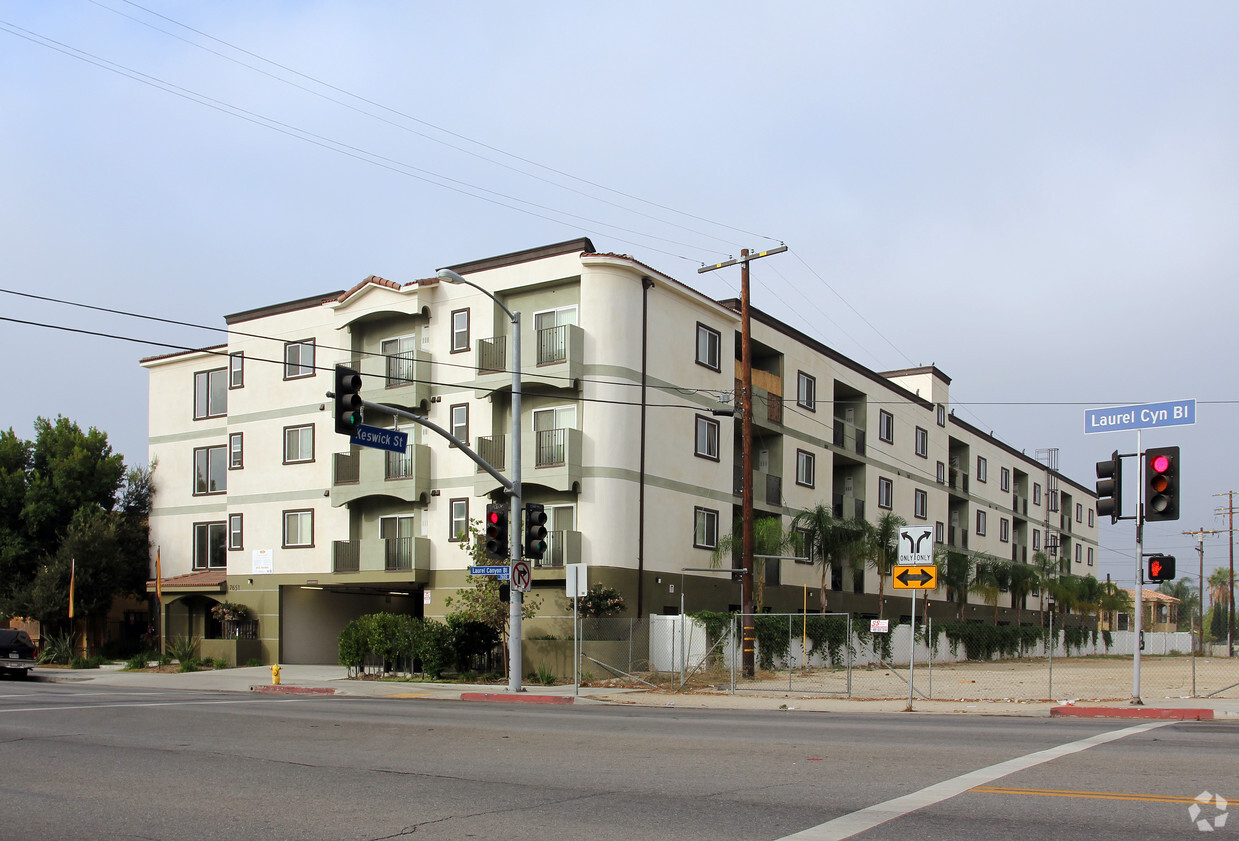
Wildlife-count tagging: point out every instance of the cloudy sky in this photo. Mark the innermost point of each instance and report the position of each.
(1042, 199)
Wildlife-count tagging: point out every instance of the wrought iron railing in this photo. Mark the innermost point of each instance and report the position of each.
(552, 447)
(492, 449)
(492, 354)
(397, 553)
(346, 468)
(400, 369)
(345, 556)
(553, 345)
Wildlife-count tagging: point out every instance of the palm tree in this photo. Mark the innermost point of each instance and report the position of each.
(827, 539)
(1112, 599)
(1183, 590)
(1024, 578)
(880, 549)
(991, 580)
(1047, 571)
(1219, 587)
(768, 539)
(957, 574)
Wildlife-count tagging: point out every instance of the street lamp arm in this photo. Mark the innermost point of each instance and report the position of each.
(449, 276)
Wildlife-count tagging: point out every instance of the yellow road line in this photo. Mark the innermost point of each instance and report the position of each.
(1099, 795)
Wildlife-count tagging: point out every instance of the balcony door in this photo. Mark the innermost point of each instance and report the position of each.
(549, 428)
(551, 329)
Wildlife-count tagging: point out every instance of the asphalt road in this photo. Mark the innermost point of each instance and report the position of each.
(92, 763)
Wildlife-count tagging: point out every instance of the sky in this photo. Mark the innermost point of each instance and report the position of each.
(1039, 198)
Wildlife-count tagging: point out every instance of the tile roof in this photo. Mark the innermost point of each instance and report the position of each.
(204, 581)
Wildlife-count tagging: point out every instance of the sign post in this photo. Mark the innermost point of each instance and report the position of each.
(915, 571)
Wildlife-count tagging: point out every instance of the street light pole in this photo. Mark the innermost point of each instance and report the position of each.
(515, 531)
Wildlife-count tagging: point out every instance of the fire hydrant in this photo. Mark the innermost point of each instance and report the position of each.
(275, 674)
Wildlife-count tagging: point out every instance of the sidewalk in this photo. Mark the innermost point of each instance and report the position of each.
(333, 680)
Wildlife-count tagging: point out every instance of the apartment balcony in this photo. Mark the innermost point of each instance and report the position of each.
(549, 457)
(767, 487)
(553, 356)
(370, 472)
(1019, 554)
(848, 438)
(957, 538)
(394, 559)
(562, 547)
(406, 382)
(767, 399)
(957, 481)
(1019, 504)
(846, 506)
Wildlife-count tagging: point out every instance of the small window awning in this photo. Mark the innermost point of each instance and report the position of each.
(206, 581)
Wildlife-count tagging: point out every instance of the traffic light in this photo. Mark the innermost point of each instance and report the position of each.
(1110, 488)
(497, 531)
(1161, 484)
(505, 593)
(348, 400)
(1161, 568)
(535, 530)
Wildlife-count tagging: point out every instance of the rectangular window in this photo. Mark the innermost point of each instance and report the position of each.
(707, 438)
(1036, 493)
(209, 552)
(298, 444)
(806, 468)
(1090, 556)
(458, 526)
(1004, 479)
(1079, 513)
(1078, 558)
(982, 469)
(1004, 530)
(1091, 522)
(1052, 502)
(941, 415)
(299, 359)
(709, 342)
(459, 414)
(886, 492)
(886, 426)
(920, 504)
(981, 523)
(299, 529)
(806, 391)
(460, 330)
(211, 393)
(210, 470)
(236, 369)
(235, 532)
(922, 442)
(940, 532)
(705, 528)
(1036, 540)
(236, 451)
(941, 473)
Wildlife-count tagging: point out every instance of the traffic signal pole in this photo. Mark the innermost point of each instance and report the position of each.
(1135, 669)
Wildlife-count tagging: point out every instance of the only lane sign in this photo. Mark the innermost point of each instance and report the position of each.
(915, 578)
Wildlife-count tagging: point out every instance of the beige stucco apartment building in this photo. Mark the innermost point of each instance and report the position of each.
(258, 501)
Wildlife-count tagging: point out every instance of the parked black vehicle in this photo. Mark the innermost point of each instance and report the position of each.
(17, 652)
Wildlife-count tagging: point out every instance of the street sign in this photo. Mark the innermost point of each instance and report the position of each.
(380, 439)
(915, 578)
(1140, 416)
(500, 571)
(576, 580)
(916, 545)
(522, 578)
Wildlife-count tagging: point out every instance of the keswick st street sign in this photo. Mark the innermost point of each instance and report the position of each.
(1140, 416)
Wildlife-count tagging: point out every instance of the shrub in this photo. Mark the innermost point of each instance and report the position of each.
(432, 644)
(219, 663)
(471, 641)
(57, 649)
(80, 662)
(139, 661)
(183, 648)
(353, 644)
(545, 676)
(253, 662)
(189, 664)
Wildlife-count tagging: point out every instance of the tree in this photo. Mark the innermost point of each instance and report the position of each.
(768, 539)
(1023, 580)
(67, 497)
(827, 539)
(481, 602)
(991, 580)
(957, 574)
(881, 549)
(1112, 599)
(1047, 571)
(1187, 594)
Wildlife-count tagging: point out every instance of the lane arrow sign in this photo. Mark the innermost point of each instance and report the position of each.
(916, 578)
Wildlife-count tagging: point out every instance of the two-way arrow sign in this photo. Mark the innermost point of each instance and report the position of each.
(916, 578)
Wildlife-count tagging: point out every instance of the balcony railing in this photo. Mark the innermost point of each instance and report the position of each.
(240, 629)
(492, 354)
(397, 465)
(552, 345)
(551, 447)
(958, 480)
(346, 468)
(397, 553)
(400, 369)
(492, 449)
(774, 408)
(345, 556)
(555, 550)
(774, 489)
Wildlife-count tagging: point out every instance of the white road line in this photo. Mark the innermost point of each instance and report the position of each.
(866, 819)
(68, 708)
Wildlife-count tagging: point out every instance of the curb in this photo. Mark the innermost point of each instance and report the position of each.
(1132, 712)
(516, 699)
(294, 690)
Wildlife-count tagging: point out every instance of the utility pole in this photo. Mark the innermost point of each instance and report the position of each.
(1199, 534)
(747, 605)
(1230, 590)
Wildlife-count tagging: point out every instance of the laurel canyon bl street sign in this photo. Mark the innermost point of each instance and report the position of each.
(1140, 416)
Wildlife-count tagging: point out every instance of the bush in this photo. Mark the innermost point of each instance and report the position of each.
(219, 663)
(253, 662)
(432, 644)
(57, 649)
(190, 664)
(353, 644)
(80, 662)
(183, 648)
(139, 661)
(471, 641)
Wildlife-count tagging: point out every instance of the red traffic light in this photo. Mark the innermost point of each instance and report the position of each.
(1160, 464)
(493, 517)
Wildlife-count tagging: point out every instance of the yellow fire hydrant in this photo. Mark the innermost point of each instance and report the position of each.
(275, 674)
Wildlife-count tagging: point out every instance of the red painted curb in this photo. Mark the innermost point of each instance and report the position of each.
(294, 690)
(516, 699)
(1131, 712)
